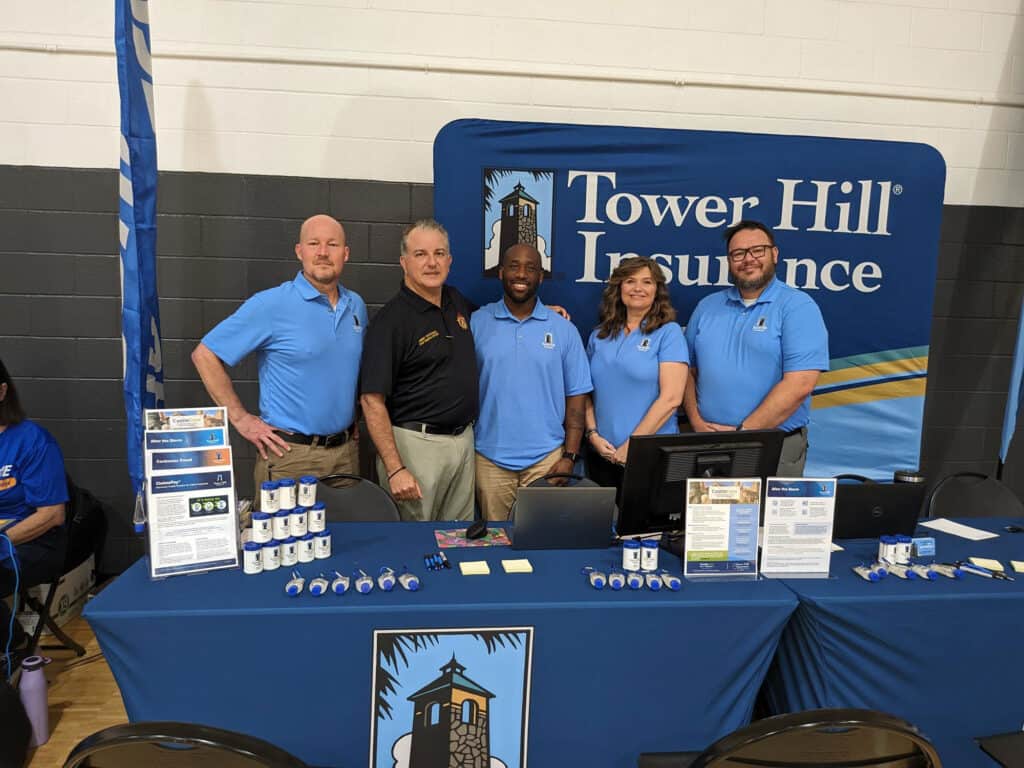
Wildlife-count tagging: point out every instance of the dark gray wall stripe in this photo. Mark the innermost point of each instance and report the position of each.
(222, 237)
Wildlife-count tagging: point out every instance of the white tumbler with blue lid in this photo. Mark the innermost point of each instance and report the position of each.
(286, 493)
(298, 522)
(289, 552)
(317, 517)
(306, 547)
(649, 555)
(252, 562)
(307, 491)
(282, 523)
(269, 496)
(631, 555)
(322, 545)
(262, 528)
(271, 556)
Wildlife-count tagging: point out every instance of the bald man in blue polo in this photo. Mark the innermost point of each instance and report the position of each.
(534, 377)
(756, 350)
(307, 335)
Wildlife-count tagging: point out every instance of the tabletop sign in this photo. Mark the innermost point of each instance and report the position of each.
(190, 495)
(721, 527)
(798, 517)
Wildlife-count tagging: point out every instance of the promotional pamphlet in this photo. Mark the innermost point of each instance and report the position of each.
(798, 516)
(190, 495)
(721, 527)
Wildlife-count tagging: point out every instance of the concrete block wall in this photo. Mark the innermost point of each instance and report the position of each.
(220, 239)
(223, 237)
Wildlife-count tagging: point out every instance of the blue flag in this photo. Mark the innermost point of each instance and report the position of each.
(140, 311)
(1014, 396)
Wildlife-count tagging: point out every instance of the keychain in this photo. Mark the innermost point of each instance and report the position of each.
(409, 581)
(295, 584)
(340, 584)
(318, 586)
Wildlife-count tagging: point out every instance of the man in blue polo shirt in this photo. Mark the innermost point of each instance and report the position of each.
(308, 337)
(756, 350)
(534, 377)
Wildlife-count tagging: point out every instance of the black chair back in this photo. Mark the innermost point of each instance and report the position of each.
(569, 478)
(354, 499)
(817, 738)
(972, 494)
(853, 478)
(176, 745)
(821, 738)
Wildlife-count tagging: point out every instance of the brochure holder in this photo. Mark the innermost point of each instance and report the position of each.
(191, 507)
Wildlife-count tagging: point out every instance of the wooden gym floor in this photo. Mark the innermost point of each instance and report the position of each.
(83, 697)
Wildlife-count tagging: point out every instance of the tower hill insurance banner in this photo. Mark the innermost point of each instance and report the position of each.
(856, 222)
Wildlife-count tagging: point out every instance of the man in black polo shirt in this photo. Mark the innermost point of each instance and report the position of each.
(419, 384)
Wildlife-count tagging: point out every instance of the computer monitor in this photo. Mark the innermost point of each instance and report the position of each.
(658, 466)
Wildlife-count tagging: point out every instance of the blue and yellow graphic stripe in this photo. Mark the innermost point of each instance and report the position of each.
(885, 375)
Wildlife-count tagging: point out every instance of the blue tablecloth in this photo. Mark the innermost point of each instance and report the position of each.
(613, 673)
(945, 655)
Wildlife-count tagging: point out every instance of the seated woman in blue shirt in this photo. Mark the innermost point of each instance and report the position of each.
(33, 492)
(638, 364)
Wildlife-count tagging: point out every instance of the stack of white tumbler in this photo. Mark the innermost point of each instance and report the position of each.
(290, 528)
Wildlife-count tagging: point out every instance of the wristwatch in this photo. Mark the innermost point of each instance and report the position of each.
(570, 455)
(589, 432)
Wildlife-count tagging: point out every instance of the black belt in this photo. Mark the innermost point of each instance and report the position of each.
(430, 429)
(796, 431)
(323, 441)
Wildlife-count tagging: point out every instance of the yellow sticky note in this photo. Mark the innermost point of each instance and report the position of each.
(517, 566)
(1018, 565)
(985, 562)
(474, 568)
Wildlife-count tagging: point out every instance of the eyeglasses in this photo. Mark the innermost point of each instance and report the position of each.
(757, 251)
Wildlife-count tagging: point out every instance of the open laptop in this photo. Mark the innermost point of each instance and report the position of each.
(579, 517)
(870, 510)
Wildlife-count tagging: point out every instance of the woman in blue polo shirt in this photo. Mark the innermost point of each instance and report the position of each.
(638, 364)
(33, 491)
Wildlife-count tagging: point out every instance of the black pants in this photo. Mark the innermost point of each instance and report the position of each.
(602, 472)
(39, 561)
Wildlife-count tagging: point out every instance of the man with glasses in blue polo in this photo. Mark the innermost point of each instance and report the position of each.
(756, 350)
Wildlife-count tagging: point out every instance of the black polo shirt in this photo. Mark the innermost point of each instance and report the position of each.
(421, 358)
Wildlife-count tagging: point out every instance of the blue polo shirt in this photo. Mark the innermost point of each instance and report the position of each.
(741, 352)
(527, 369)
(624, 369)
(307, 354)
(31, 472)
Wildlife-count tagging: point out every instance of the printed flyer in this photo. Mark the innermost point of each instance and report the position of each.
(190, 495)
(798, 515)
(721, 527)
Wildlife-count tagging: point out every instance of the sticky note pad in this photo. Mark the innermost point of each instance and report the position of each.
(517, 566)
(474, 568)
(985, 562)
(1018, 566)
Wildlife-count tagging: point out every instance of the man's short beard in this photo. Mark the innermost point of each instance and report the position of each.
(756, 283)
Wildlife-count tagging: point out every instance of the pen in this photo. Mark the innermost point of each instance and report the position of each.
(979, 571)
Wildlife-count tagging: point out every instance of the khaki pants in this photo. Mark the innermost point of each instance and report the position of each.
(306, 460)
(496, 486)
(794, 454)
(443, 467)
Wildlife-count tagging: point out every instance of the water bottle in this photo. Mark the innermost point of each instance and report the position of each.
(32, 691)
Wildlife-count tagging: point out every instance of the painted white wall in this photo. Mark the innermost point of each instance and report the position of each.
(359, 88)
